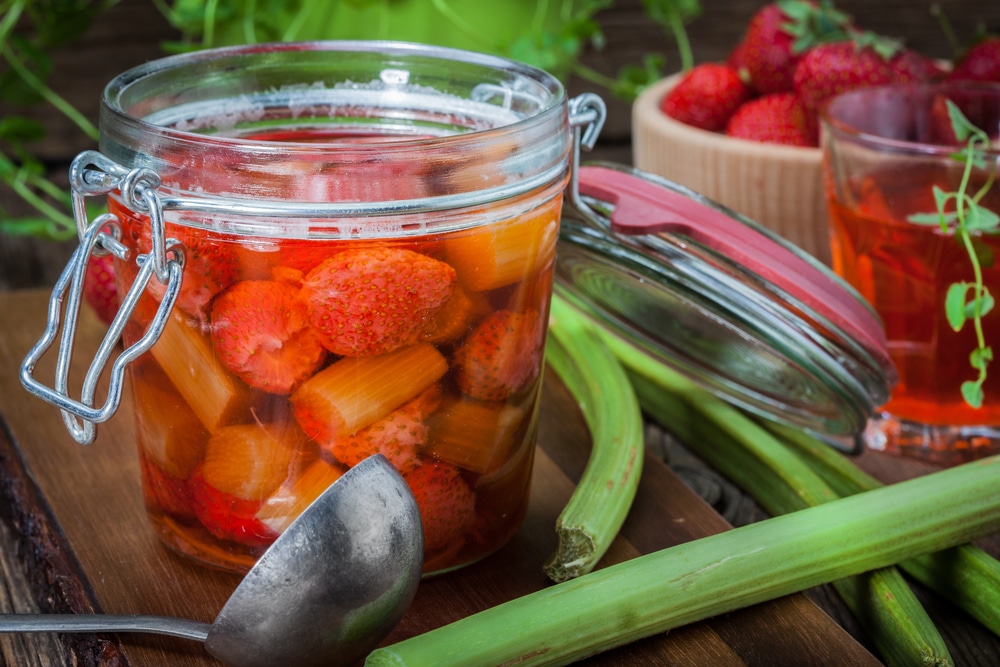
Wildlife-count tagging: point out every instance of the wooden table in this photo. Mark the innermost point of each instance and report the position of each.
(74, 538)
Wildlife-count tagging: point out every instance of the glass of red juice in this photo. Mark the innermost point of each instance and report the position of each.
(895, 170)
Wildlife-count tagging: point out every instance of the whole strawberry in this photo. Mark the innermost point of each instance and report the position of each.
(99, 287)
(706, 96)
(447, 504)
(372, 300)
(780, 33)
(868, 60)
(980, 63)
(260, 331)
(778, 118)
(501, 355)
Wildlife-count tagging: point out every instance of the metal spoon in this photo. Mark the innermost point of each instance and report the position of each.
(326, 592)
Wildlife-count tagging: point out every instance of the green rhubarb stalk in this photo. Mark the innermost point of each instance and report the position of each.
(601, 501)
(966, 575)
(768, 470)
(716, 574)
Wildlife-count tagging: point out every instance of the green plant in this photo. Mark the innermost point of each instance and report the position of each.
(29, 32)
(550, 34)
(960, 213)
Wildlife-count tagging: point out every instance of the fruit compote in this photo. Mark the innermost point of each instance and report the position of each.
(904, 270)
(286, 361)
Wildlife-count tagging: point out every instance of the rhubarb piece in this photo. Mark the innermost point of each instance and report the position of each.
(261, 332)
(372, 300)
(395, 436)
(734, 569)
(250, 461)
(504, 252)
(169, 432)
(355, 392)
(209, 389)
(447, 504)
(474, 435)
(226, 516)
(456, 317)
(601, 501)
(501, 355)
(295, 495)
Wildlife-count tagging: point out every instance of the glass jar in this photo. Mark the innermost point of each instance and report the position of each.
(367, 232)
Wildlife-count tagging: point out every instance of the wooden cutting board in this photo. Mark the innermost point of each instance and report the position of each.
(77, 514)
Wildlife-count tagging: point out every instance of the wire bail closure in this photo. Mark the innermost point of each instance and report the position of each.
(93, 174)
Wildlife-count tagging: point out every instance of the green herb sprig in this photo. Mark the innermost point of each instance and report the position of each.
(962, 214)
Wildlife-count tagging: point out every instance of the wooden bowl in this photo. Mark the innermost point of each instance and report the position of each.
(780, 187)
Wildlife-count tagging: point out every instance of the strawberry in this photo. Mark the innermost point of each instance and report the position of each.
(210, 263)
(980, 63)
(260, 331)
(99, 288)
(396, 435)
(226, 516)
(780, 33)
(501, 355)
(369, 301)
(164, 492)
(869, 60)
(706, 96)
(447, 504)
(778, 118)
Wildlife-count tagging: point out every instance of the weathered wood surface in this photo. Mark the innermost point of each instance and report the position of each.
(79, 521)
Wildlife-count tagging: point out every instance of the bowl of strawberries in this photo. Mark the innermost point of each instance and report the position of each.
(745, 132)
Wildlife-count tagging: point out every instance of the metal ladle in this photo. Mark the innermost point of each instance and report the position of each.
(326, 592)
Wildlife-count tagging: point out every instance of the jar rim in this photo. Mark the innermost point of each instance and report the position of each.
(112, 100)
(875, 127)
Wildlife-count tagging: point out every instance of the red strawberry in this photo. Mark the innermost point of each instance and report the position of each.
(447, 504)
(370, 301)
(706, 96)
(396, 435)
(261, 332)
(778, 118)
(831, 69)
(210, 263)
(501, 355)
(99, 288)
(226, 516)
(164, 492)
(980, 63)
(780, 33)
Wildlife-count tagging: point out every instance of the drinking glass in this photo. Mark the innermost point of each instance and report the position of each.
(913, 228)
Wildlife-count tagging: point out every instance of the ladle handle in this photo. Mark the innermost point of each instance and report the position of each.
(159, 625)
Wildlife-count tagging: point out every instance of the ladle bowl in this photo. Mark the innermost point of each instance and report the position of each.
(326, 592)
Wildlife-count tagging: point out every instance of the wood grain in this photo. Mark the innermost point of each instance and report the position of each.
(93, 501)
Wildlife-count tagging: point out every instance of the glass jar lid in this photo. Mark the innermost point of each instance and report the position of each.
(731, 305)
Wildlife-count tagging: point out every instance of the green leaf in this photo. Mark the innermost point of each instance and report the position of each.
(18, 129)
(954, 305)
(972, 392)
(931, 219)
(960, 125)
(986, 303)
(980, 358)
(980, 218)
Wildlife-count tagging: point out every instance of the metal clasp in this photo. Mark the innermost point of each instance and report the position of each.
(92, 174)
(587, 113)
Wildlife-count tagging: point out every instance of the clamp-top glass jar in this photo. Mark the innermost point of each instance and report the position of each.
(367, 232)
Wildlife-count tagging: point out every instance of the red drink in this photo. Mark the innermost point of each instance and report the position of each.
(904, 270)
